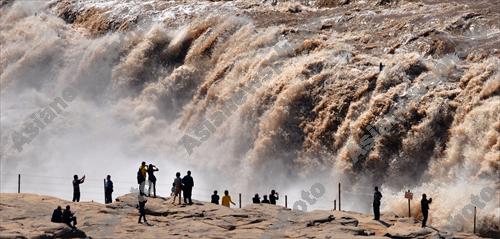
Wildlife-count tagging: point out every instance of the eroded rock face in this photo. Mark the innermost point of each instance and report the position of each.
(28, 215)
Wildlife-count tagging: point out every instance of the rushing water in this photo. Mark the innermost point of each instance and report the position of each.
(245, 108)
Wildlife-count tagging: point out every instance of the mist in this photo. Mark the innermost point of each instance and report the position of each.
(261, 110)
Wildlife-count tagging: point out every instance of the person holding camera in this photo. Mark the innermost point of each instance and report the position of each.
(152, 179)
(273, 197)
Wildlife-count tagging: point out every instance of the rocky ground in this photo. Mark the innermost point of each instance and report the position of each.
(28, 216)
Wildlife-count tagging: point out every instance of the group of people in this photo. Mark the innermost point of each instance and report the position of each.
(226, 199)
(66, 216)
(424, 205)
(273, 197)
(149, 171)
(108, 188)
(145, 173)
(185, 185)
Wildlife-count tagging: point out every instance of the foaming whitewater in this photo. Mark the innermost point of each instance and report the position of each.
(249, 108)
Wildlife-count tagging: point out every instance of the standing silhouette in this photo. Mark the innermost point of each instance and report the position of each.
(377, 196)
(141, 176)
(424, 204)
(76, 187)
(215, 198)
(273, 197)
(187, 187)
(108, 190)
(177, 187)
(152, 179)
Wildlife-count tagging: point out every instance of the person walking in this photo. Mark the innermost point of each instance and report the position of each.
(424, 204)
(377, 196)
(215, 198)
(76, 187)
(178, 187)
(69, 217)
(187, 188)
(152, 179)
(142, 207)
(273, 197)
(108, 190)
(226, 199)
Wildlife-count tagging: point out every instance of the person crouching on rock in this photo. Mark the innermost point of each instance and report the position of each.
(68, 217)
(142, 205)
(57, 215)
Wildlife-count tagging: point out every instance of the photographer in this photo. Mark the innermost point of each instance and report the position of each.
(152, 179)
(273, 197)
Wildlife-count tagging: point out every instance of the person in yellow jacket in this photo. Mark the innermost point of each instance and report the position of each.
(226, 199)
(143, 169)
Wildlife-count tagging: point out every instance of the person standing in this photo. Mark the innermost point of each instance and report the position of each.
(377, 196)
(108, 190)
(141, 176)
(152, 179)
(226, 199)
(424, 204)
(215, 198)
(177, 187)
(187, 188)
(142, 207)
(273, 197)
(76, 187)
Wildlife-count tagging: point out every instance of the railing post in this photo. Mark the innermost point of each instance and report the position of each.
(474, 230)
(334, 205)
(240, 199)
(286, 201)
(340, 200)
(104, 191)
(19, 183)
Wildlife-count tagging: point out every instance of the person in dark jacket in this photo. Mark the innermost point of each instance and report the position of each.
(215, 198)
(76, 187)
(256, 199)
(152, 179)
(68, 217)
(142, 207)
(377, 196)
(57, 215)
(265, 200)
(424, 204)
(187, 187)
(108, 190)
(273, 197)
